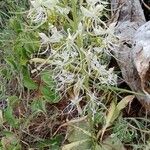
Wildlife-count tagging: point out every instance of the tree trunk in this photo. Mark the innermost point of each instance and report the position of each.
(132, 54)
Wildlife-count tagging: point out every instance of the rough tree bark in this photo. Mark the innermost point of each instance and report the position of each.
(133, 52)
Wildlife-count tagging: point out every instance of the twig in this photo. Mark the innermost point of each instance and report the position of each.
(145, 5)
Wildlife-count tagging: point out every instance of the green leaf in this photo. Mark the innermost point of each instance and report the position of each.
(38, 105)
(53, 143)
(112, 143)
(1, 118)
(74, 145)
(31, 42)
(50, 94)
(123, 131)
(13, 100)
(10, 142)
(29, 83)
(12, 63)
(114, 111)
(109, 119)
(47, 78)
(9, 117)
(79, 136)
(21, 53)
(15, 24)
(48, 89)
(124, 102)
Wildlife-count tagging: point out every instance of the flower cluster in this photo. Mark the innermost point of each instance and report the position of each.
(40, 9)
(79, 44)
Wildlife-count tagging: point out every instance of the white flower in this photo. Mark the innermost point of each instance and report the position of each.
(112, 78)
(78, 86)
(108, 77)
(44, 38)
(58, 63)
(95, 64)
(92, 12)
(70, 44)
(64, 78)
(38, 12)
(88, 54)
(75, 102)
(93, 104)
(62, 10)
(71, 38)
(35, 3)
(55, 38)
(86, 12)
(80, 28)
(99, 31)
(65, 56)
(37, 15)
(50, 4)
(109, 30)
(98, 49)
(93, 2)
(74, 54)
